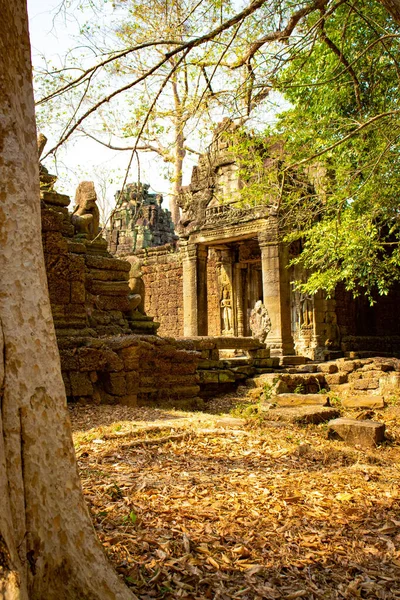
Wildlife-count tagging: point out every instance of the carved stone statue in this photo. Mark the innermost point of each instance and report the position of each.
(306, 316)
(85, 217)
(136, 286)
(260, 323)
(226, 312)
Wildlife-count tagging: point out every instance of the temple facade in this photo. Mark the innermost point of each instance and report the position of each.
(230, 259)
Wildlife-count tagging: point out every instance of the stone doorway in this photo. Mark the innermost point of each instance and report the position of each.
(233, 286)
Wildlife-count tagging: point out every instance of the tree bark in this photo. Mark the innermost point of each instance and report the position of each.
(393, 8)
(48, 549)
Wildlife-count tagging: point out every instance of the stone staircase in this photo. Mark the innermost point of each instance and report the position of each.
(316, 392)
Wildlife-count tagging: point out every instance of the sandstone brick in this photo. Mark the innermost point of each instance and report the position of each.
(78, 292)
(115, 384)
(129, 400)
(109, 264)
(112, 303)
(301, 399)
(69, 360)
(132, 381)
(328, 367)
(361, 433)
(363, 401)
(336, 378)
(130, 357)
(366, 384)
(80, 384)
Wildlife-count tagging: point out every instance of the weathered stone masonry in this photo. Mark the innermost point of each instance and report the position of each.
(162, 275)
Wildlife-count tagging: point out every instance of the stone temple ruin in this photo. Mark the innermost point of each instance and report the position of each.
(230, 259)
(223, 311)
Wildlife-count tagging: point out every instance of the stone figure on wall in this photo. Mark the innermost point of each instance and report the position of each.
(86, 217)
(306, 314)
(260, 323)
(226, 312)
(136, 286)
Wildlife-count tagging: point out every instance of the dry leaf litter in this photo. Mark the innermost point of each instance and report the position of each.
(197, 506)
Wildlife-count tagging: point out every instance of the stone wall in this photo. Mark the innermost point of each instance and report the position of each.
(162, 276)
(133, 370)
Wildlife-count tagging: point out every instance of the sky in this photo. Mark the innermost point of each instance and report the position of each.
(52, 35)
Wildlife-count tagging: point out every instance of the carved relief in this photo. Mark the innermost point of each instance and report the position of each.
(260, 323)
(226, 312)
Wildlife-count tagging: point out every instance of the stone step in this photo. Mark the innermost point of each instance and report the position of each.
(301, 414)
(358, 433)
(363, 401)
(292, 360)
(301, 399)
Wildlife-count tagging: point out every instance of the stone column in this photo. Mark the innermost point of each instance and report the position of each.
(239, 300)
(202, 253)
(190, 281)
(276, 289)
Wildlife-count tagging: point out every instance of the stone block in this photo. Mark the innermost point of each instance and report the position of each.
(363, 401)
(302, 414)
(207, 377)
(132, 381)
(348, 366)
(76, 247)
(360, 433)
(182, 391)
(108, 288)
(301, 399)
(59, 291)
(263, 362)
(78, 292)
(80, 384)
(109, 264)
(106, 275)
(226, 377)
(328, 367)
(366, 384)
(112, 303)
(130, 357)
(292, 360)
(55, 198)
(54, 243)
(115, 384)
(336, 378)
(129, 400)
(51, 220)
(262, 353)
(69, 360)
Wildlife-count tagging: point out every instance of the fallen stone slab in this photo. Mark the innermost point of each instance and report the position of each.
(301, 399)
(302, 414)
(363, 401)
(292, 360)
(358, 433)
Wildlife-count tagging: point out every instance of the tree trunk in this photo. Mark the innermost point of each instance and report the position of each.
(393, 7)
(48, 549)
(179, 154)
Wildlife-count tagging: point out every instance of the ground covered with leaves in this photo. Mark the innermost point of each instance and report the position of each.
(199, 506)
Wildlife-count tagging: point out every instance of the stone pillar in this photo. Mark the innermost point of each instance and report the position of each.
(190, 283)
(276, 289)
(239, 300)
(202, 253)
